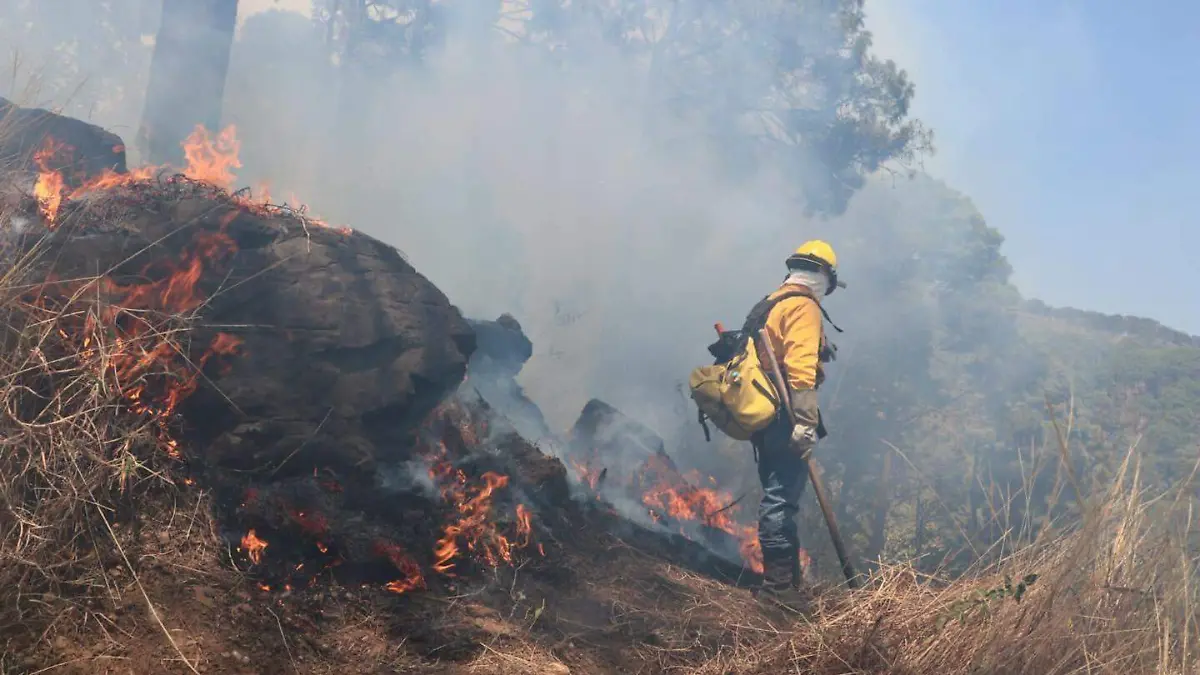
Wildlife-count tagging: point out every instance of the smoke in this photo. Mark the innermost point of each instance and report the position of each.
(521, 187)
(575, 191)
(579, 198)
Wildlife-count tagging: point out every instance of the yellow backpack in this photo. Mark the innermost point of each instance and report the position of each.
(736, 393)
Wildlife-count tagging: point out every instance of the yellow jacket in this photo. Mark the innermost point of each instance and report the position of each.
(795, 333)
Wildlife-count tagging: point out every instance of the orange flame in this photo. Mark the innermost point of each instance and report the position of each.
(586, 473)
(474, 528)
(253, 546)
(411, 577)
(174, 289)
(668, 493)
(48, 189)
(524, 525)
(210, 159)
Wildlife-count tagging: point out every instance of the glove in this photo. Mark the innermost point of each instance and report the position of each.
(807, 416)
(804, 438)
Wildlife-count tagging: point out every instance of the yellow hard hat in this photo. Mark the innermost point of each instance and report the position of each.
(821, 253)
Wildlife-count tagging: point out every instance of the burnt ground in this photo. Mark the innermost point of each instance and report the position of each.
(327, 553)
(589, 591)
(598, 603)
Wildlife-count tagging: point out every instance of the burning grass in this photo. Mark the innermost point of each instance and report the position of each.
(92, 372)
(89, 388)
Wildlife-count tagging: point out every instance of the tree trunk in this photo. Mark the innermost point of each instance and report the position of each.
(187, 75)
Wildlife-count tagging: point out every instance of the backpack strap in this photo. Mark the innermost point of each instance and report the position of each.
(757, 317)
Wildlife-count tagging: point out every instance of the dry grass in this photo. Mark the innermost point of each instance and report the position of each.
(77, 455)
(1116, 594)
(1113, 594)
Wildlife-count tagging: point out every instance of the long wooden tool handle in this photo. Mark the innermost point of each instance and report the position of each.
(813, 470)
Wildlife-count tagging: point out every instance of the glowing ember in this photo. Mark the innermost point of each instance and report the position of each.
(253, 547)
(312, 523)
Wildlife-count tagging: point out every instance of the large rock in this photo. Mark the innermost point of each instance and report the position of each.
(325, 429)
(630, 454)
(502, 347)
(346, 347)
(77, 149)
(501, 351)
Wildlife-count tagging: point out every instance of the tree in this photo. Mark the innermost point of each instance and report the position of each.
(187, 74)
(789, 82)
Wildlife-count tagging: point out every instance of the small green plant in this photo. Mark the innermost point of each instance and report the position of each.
(979, 602)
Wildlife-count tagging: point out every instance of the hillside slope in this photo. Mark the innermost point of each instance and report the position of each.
(167, 510)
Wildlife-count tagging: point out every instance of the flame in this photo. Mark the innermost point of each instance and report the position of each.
(524, 525)
(411, 577)
(156, 380)
(211, 159)
(146, 364)
(253, 546)
(690, 498)
(475, 529)
(586, 473)
(48, 189)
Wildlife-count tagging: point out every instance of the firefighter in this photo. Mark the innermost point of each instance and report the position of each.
(795, 332)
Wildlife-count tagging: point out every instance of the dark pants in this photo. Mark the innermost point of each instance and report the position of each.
(783, 474)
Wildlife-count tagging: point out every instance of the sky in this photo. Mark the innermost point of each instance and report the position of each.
(1074, 126)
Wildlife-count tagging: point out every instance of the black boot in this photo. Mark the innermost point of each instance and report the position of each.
(781, 583)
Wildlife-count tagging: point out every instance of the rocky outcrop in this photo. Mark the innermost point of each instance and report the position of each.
(75, 149)
(501, 351)
(628, 452)
(344, 346)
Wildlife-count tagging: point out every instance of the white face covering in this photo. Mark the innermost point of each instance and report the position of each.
(817, 282)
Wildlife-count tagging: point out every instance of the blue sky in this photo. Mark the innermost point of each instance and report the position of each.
(1075, 128)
